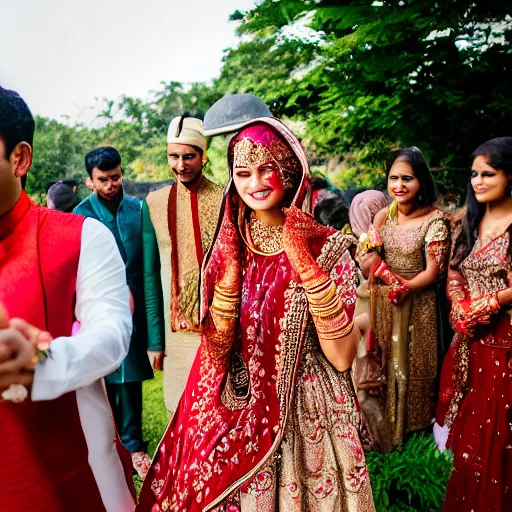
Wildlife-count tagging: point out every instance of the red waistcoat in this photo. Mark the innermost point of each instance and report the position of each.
(43, 452)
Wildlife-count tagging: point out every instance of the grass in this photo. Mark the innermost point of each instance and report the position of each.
(154, 416)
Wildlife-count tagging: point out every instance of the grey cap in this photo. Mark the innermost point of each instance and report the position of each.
(233, 112)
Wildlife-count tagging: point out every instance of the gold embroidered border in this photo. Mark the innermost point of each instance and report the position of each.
(459, 379)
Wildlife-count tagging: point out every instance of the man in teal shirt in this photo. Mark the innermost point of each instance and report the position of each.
(123, 216)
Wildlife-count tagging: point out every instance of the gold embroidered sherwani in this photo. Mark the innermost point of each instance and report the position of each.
(180, 294)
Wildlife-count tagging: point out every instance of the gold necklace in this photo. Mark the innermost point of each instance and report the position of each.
(267, 239)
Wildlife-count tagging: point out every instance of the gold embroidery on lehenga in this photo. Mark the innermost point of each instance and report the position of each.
(486, 275)
(235, 395)
(320, 464)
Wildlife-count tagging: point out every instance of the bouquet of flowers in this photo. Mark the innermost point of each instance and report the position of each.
(371, 241)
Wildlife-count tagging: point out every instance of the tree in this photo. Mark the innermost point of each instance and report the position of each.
(59, 151)
(265, 66)
(389, 73)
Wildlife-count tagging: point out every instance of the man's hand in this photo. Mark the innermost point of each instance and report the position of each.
(18, 350)
(38, 338)
(156, 358)
(15, 351)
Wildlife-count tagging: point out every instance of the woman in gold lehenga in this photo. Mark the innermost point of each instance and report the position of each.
(415, 240)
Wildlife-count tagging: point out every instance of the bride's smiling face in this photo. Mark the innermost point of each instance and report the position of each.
(260, 187)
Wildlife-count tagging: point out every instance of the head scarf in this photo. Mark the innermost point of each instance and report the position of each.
(259, 144)
(363, 208)
(188, 130)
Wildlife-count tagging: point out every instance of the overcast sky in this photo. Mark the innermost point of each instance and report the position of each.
(61, 54)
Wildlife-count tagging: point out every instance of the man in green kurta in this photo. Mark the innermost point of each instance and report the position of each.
(123, 216)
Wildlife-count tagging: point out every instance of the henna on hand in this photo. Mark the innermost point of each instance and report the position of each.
(398, 285)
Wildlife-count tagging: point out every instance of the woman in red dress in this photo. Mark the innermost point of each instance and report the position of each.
(476, 381)
(268, 420)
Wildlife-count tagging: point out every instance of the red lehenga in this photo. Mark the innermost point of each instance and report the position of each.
(476, 384)
(266, 423)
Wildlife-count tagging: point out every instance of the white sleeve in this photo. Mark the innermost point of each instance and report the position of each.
(103, 308)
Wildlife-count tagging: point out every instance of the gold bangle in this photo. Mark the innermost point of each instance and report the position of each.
(225, 308)
(335, 333)
(327, 311)
(322, 297)
(318, 285)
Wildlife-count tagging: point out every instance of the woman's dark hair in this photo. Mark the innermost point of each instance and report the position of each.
(427, 193)
(498, 154)
(319, 182)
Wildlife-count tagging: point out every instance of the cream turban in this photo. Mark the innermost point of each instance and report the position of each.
(192, 132)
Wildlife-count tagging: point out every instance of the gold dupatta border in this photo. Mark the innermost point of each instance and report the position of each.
(460, 377)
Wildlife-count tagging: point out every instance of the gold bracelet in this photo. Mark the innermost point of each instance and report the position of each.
(327, 311)
(335, 333)
(318, 284)
(319, 298)
(225, 308)
(225, 303)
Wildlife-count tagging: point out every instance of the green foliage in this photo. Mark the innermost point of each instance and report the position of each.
(355, 178)
(59, 151)
(412, 72)
(216, 167)
(410, 479)
(265, 66)
(176, 98)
